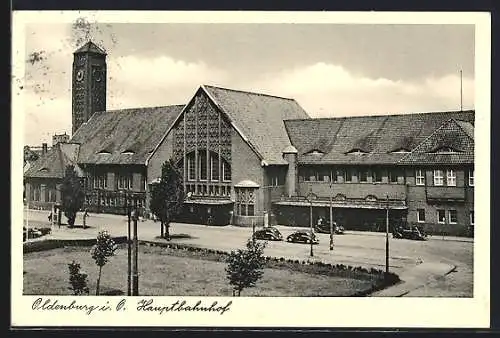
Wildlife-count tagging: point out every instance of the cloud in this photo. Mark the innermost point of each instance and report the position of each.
(331, 90)
(136, 81)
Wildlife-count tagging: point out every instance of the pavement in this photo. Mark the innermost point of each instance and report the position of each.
(423, 266)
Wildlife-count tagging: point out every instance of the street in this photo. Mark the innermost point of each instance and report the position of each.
(438, 267)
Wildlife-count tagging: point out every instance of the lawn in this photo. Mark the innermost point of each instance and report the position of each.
(162, 274)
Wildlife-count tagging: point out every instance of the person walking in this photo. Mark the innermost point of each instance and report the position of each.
(85, 214)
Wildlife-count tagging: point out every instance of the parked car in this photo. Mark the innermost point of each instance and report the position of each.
(414, 233)
(268, 233)
(302, 237)
(325, 228)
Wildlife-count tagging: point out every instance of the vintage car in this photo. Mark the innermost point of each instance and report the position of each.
(414, 233)
(302, 237)
(268, 233)
(325, 228)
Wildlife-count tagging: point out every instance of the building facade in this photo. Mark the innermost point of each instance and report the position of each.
(255, 159)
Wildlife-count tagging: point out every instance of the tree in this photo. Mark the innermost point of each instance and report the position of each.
(104, 248)
(72, 193)
(167, 196)
(246, 266)
(77, 279)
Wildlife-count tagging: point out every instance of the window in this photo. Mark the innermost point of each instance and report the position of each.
(438, 177)
(377, 175)
(143, 182)
(471, 217)
(451, 178)
(191, 167)
(339, 174)
(245, 201)
(348, 175)
(452, 216)
(471, 178)
(419, 177)
(35, 192)
(214, 167)
(50, 193)
(100, 181)
(441, 216)
(274, 181)
(124, 181)
(363, 176)
(226, 172)
(393, 176)
(420, 215)
(202, 165)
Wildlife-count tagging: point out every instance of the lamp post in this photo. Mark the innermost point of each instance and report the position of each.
(129, 248)
(310, 198)
(331, 216)
(135, 271)
(387, 235)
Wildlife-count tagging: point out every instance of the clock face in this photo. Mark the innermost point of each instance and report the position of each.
(97, 74)
(79, 75)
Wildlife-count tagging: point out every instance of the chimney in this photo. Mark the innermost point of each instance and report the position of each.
(44, 148)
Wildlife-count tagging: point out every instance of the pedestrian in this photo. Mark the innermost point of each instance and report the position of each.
(85, 214)
(50, 217)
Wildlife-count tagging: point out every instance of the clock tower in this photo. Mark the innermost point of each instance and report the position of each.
(89, 83)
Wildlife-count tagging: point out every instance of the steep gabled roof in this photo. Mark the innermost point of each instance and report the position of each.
(53, 164)
(90, 47)
(259, 118)
(457, 142)
(126, 136)
(379, 139)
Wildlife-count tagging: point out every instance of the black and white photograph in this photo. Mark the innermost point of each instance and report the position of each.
(261, 169)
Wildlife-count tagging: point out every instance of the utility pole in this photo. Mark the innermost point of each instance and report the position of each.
(331, 216)
(311, 225)
(129, 249)
(135, 272)
(387, 235)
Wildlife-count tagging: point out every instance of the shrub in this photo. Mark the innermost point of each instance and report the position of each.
(245, 266)
(77, 280)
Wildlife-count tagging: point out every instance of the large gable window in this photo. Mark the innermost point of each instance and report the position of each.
(226, 172)
(191, 168)
(202, 165)
(214, 167)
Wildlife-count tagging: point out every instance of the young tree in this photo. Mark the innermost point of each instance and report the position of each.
(72, 193)
(104, 248)
(167, 196)
(246, 266)
(77, 279)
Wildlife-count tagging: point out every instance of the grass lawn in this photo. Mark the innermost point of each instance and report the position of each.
(162, 274)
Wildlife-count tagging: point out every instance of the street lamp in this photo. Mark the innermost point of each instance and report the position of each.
(310, 198)
(387, 235)
(331, 216)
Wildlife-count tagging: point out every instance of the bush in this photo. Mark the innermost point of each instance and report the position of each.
(77, 280)
(246, 266)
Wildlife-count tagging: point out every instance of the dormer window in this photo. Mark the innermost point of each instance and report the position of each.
(104, 152)
(371, 198)
(400, 151)
(128, 152)
(356, 151)
(445, 150)
(315, 152)
(44, 170)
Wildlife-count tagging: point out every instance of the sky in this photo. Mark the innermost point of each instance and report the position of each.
(331, 70)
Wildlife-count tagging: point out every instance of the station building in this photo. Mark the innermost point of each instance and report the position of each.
(249, 158)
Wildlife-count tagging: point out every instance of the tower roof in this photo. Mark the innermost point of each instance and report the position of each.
(90, 47)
